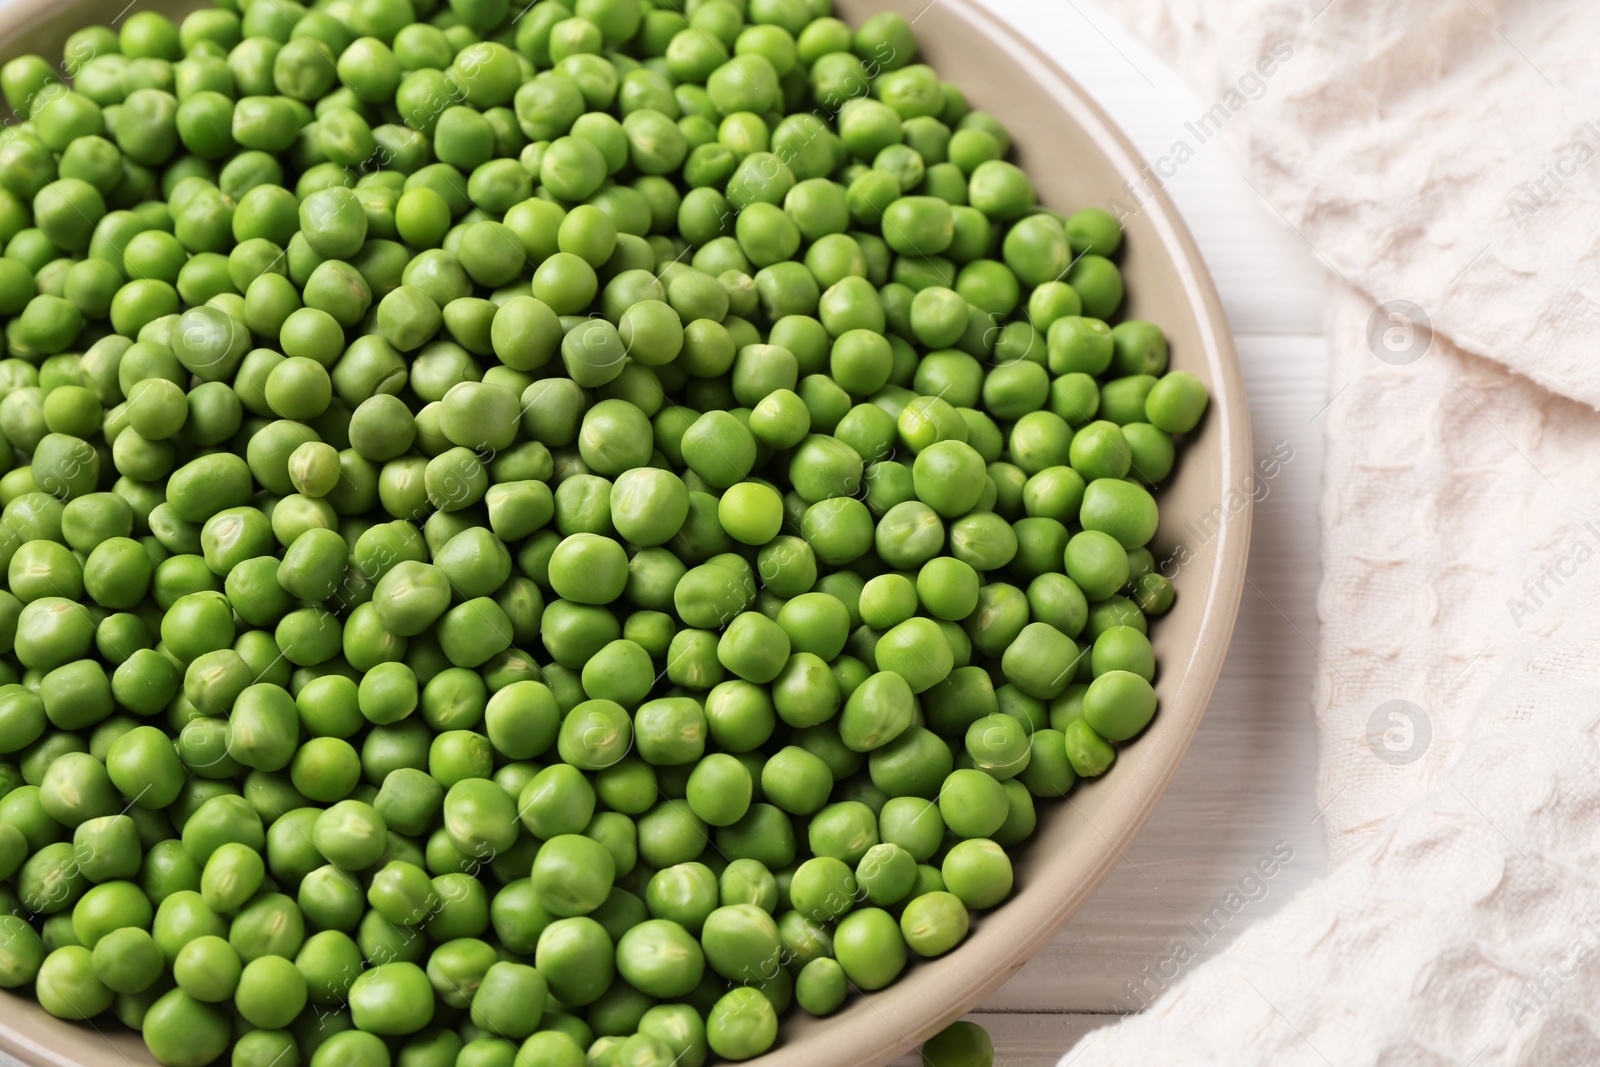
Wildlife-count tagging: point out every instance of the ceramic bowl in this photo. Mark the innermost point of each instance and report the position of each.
(1076, 158)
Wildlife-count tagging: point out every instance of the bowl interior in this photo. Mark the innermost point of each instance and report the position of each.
(1076, 158)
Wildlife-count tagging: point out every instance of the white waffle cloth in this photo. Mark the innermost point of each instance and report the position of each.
(1444, 154)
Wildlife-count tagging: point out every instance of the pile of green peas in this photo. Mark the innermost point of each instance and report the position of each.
(542, 537)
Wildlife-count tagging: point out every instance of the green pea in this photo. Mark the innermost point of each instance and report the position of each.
(1176, 402)
(391, 999)
(742, 1024)
(870, 948)
(959, 1043)
(821, 986)
(1097, 563)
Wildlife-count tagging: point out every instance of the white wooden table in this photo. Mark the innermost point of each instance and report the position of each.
(1247, 786)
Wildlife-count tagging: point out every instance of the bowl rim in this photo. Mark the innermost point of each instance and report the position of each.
(879, 1026)
(986, 963)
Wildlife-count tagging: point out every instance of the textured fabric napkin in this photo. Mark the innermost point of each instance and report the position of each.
(1443, 159)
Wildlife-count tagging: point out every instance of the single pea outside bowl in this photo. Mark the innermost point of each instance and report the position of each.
(1076, 158)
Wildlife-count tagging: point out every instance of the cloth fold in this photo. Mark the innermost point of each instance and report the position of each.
(1444, 152)
(1439, 157)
